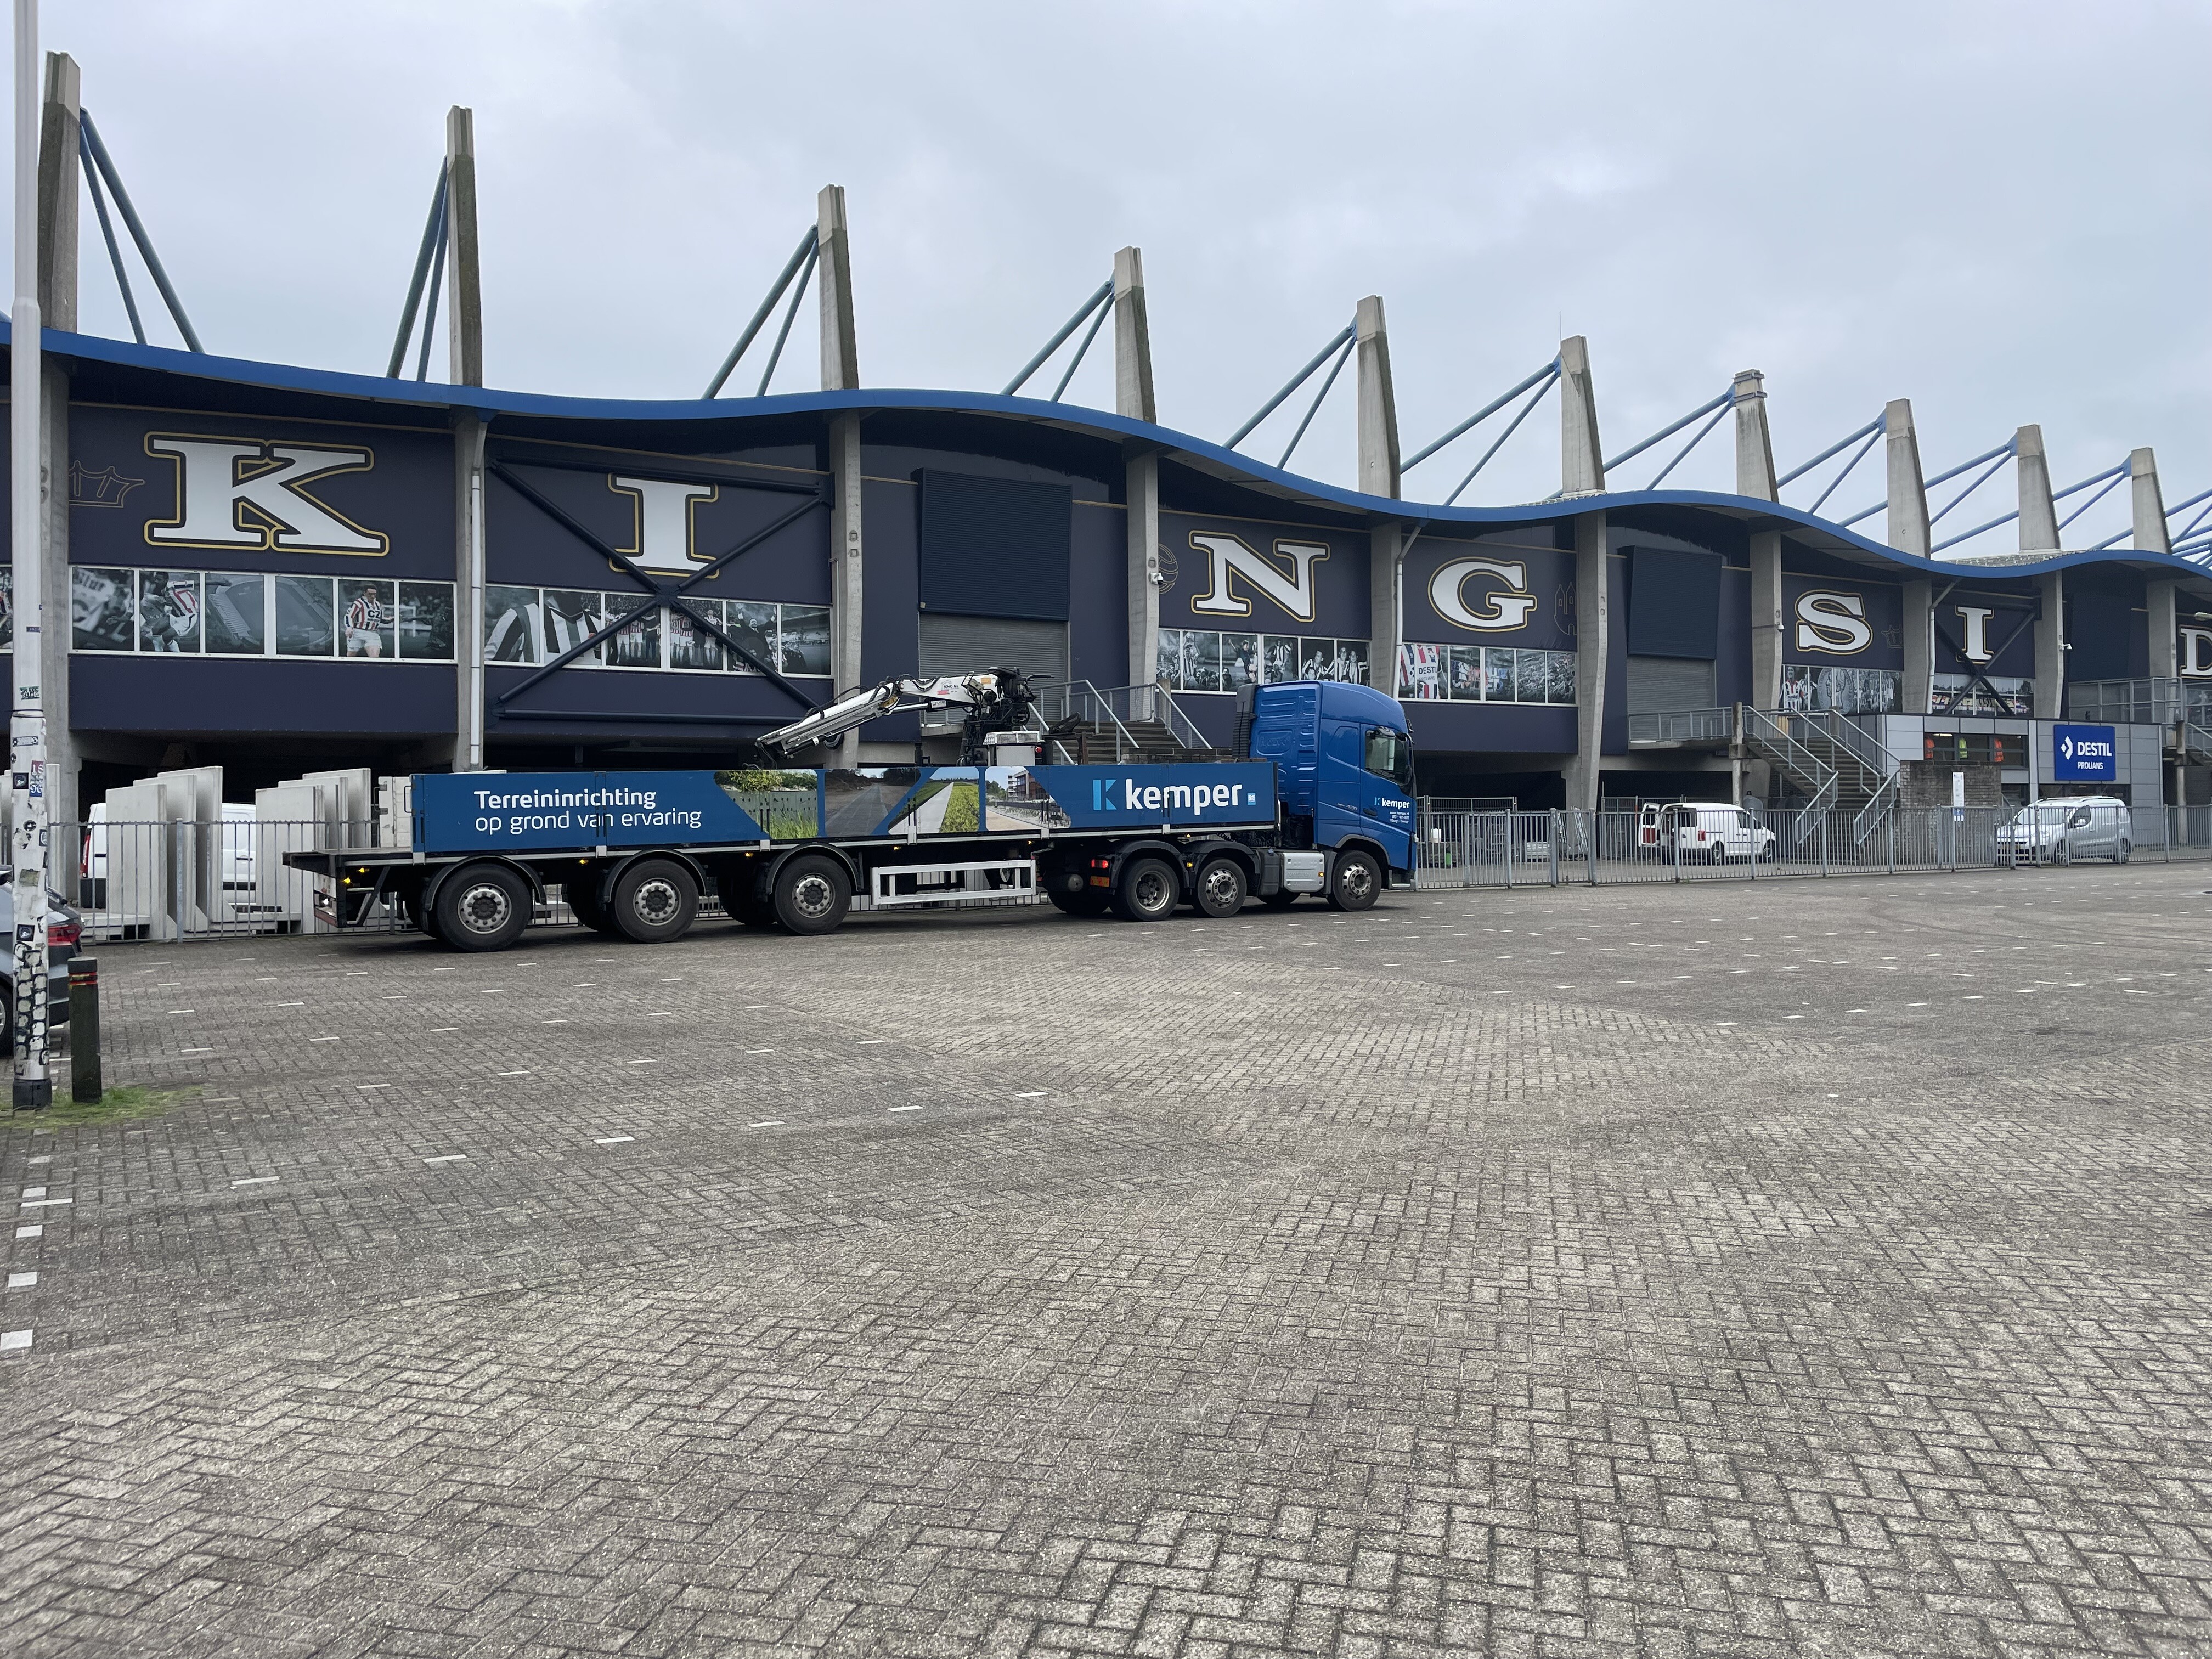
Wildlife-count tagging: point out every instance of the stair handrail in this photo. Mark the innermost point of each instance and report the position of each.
(2196, 740)
(1760, 727)
(1180, 725)
(1101, 701)
(1878, 806)
(1847, 734)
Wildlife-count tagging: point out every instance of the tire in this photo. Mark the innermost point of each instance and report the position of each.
(1148, 890)
(811, 894)
(1088, 902)
(2062, 853)
(1220, 888)
(1716, 855)
(418, 917)
(1357, 883)
(583, 895)
(1281, 900)
(2120, 853)
(654, 901)
(482, 907)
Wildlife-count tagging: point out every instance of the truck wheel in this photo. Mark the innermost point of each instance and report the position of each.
(1356, 883)
(1088, 902)
(1148, 891)
(655, 901)
(482, 907)
(1220, 888)
(812, 894)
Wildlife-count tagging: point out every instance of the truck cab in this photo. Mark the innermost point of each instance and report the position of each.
(1344, 761)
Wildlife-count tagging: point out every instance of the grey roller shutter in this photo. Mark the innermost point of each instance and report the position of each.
(965, 644)
(1668, 685)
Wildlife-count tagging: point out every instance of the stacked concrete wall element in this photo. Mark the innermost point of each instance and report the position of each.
(289, 817)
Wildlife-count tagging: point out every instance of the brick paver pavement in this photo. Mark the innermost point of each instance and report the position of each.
(1818, 1268)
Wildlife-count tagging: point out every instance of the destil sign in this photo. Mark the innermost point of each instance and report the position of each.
(2086, 754)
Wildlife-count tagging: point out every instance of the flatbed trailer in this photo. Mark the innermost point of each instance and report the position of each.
(1319, 808)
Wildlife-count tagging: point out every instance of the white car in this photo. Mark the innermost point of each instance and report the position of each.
(2077, 827)
(1707, 830)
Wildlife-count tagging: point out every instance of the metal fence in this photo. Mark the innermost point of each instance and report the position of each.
(1611, 849)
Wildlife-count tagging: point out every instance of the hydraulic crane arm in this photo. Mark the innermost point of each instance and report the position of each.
(999, 700)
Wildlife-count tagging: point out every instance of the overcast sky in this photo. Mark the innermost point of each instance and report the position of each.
(1998, 210)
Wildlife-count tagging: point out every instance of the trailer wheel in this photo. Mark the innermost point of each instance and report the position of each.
(482, 907)
(653, 901)
(1148, 891)
(1356, 883)
(583, 893)
(812, 894)
(1220, 888)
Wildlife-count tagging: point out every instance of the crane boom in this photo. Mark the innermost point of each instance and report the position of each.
(997, 700)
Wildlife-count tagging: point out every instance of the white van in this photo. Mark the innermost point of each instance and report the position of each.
(2072, 827)
(1707, 830)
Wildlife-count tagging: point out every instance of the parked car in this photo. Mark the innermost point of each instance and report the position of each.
(1707, 830)
(62, 932)
(2060, 831)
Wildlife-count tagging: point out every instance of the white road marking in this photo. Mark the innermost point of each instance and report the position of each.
(328, 1039)
(523, 1074)
(21, 1281)
(36, 1230)
(448, 1157)
(45, 1203)
(641, 1062)
(435, 1031)
(767, 1123)
(14, 1341)
(613, 1140)
(372, 1085)
(182, 1011)
(865, 1041)
(760, 1051)
(203, 1050)
(287, 1005)
(552, 1022)
(906, 1108)
(33, 1191)
(1031, 1094)
(254, 1180)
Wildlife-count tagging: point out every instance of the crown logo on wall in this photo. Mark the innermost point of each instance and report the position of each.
(105, 488)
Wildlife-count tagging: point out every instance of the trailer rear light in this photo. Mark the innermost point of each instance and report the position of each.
(62, 932)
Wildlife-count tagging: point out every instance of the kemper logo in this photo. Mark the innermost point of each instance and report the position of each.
(1196, 799)
(251, 494)
(1291, 591)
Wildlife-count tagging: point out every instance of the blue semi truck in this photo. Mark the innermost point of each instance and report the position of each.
(1319, 803)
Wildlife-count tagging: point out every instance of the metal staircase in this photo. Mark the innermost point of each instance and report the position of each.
(1835, 764)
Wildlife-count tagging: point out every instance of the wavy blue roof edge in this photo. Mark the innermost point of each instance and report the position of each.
(490, 403)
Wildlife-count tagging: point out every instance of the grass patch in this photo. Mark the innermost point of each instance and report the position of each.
(118, 1105)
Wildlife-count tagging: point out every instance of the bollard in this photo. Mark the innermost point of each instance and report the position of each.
(85, 1086)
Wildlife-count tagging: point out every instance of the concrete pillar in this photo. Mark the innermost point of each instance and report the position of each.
(1754, 477)
(1908, 495)
(2149, 503)
(1582, 461)
(1592, 642)
(468, 592)
(57, 295)
(1132, 340)
(1754, 447)
(833, 283)
(1140, 467)
(2039, 514)
(2162, 625)
(1767, 637)
(1378, 476)
(463, 286)
(2051, 647)
(1917, 695)
(841, 372)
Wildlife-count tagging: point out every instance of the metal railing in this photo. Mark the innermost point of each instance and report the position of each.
(1079, 700)
(1854, 739)
(1618, 849)
(2196, 739)
(1683, 725)
(1814, 775)
(2122, 702)
(1170, 714)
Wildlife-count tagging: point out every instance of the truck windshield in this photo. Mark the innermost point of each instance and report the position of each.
(1390, 754)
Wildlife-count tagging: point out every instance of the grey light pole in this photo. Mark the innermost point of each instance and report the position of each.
(27, 517)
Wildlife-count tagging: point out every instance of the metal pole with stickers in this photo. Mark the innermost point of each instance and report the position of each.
(26, 514)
